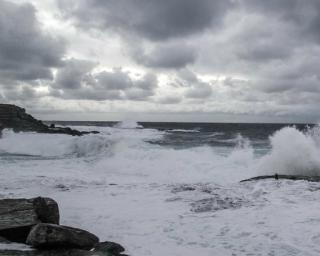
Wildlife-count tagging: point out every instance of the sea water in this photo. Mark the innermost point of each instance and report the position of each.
(173, 188)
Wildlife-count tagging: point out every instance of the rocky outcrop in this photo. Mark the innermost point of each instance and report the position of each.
(18, 216)
(16, 118)
(53, 236)
(285, 177)
(36, 223)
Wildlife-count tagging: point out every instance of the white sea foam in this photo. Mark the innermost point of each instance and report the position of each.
(119, 186)
(128, 124)
(293, 152)
(52, 145)
(185, 130)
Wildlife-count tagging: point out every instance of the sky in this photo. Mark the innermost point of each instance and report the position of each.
(168, 60)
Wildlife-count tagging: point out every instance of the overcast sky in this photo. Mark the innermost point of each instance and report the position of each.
(162, 60)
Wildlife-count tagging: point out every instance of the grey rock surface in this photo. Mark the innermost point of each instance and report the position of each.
(55, 236)
(18, 216)
(109, 247)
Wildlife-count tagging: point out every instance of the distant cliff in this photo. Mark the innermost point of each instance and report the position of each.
(16, 118)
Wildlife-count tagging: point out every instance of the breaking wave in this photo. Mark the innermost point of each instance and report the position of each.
(127, 151)
(52, 145)
(293, 152)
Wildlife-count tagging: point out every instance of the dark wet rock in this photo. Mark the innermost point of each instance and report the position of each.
(16, 118)
(18, 216)
(217, 203)
(47, 210)
(63, 252)
(286, 177)
(109, 247)
(73, 252)
(55, 236)
(4, 241)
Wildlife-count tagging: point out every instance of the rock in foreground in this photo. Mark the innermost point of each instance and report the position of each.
(55, 236)
(35, 222)
(18, 216)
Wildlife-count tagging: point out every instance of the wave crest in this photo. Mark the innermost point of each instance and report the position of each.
(293, 152)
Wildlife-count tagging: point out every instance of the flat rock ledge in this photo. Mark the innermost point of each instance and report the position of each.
(285, 177)
(16, 118)
(35, 222)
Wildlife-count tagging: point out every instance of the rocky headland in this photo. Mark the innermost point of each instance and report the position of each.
(35, 223)
(16, 118)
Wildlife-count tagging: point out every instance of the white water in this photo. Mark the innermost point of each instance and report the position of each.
(127, 190)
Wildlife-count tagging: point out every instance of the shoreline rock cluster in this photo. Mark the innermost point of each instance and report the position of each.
(16, 118)
(35, 222)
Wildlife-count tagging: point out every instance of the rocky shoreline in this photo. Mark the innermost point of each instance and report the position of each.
(16, 118)
(35, 223)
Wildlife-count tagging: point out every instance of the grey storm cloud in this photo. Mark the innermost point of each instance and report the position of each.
(73, 74)
(172, 56)
(303, 14)
(152, 19)
(268, 51)
(195, 87)
(77, 80)
(26, 51)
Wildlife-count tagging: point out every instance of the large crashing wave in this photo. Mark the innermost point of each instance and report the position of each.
(127, 151)
(293, 152)
(52, 145)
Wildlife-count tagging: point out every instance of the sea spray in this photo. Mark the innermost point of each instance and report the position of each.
(293, 152)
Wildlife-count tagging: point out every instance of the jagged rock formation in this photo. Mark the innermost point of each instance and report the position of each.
(18, 216)
(36, 222)
(16, 118)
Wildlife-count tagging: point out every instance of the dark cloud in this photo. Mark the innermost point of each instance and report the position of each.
(195, 87)
(26, 52)
(77, 80)
(21, 93)
(74, 73)
(152, 19)
(305, 15)
(115, 80)
(171, 56)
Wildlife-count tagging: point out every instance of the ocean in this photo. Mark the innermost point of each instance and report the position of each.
(174, 188)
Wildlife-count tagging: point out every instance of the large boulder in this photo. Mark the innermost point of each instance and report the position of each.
(18, 216)
(55, 236)
(109, 247)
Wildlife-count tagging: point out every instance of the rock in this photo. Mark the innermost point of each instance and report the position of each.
(47, 210)
(109, 247)
(287, 177)
(18, 216)
(16, 118)
(71, 252)
(4, 241)
(55, 236)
